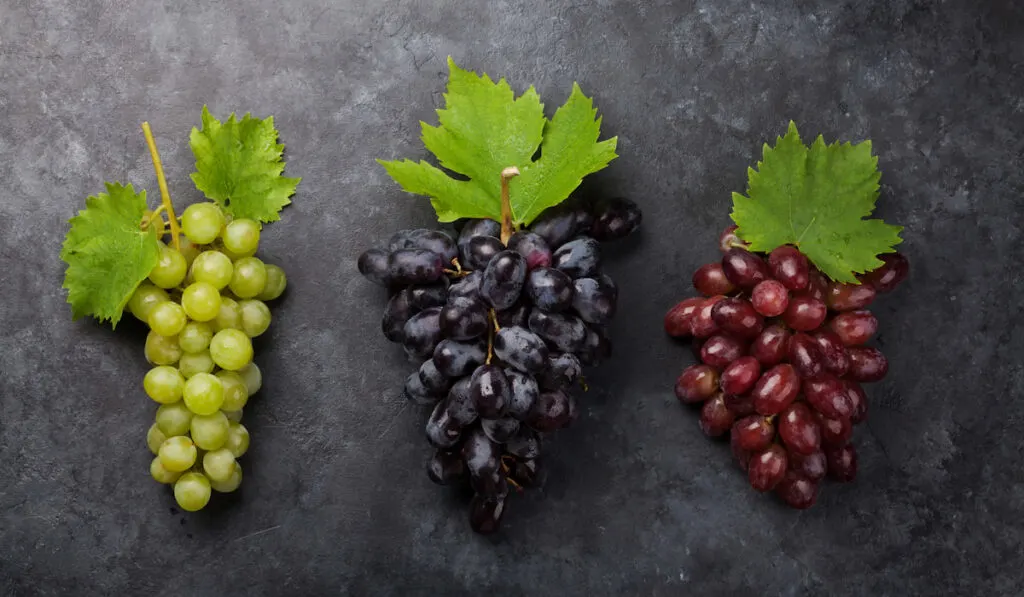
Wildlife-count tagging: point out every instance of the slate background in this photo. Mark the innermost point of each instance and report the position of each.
(638, 502)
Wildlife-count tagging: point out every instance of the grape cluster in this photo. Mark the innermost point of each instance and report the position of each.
(203, 304)
(502, 331)
(783, 357)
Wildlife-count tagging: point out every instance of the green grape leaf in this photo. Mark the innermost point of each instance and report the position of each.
(108, 253)
(239, 166)
(483, 129)
(816, 198)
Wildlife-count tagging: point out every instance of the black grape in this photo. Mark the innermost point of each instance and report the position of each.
(550, 412)
(474, 228)
(435, 241)
(397, 312)
(524, 393)
(563, 370)
(428, 295)
(499, 430)
(517, 314)
(444, 467)
(455, 359)
(556, 225)
(373, 264)
(482, 458)
(521, 348)
(615, 218)
(549, 289)
(460, 405)
(433, 380)
(442, 430)
(464, 318)
(485, 514)
(532, 247)
(503, 279)
(526, 444)
(579, 258)
(479, 251)
(594, 299)
(566, 333)
(414, 266)
(491, 391)
(422, 333)
(417, 393)
(596, 347)
(467, 286)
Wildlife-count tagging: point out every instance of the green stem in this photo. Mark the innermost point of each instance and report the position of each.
(165, 195)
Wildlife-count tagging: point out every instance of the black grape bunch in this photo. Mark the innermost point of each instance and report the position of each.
(783, 354)
(501, 331)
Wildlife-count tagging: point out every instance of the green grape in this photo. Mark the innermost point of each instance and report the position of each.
(146, 297)
(219, 465)
(188, 250)
(203, 394)
(229, 316)
(238, 439)
(163, 384)
(233, 415)
(167, 319)
(177, 453)
(202, 222)
(241, 236)
(195, 336)
(231, 349)
(161, 474)
(195, 362)
(162, 350)
(231, 484)
(209, 432)
(214, 268)
(255, 317)
(235, 393)
(158, 223)
(201, 301)
(249, 278)
(173, 419)
(253, 378)
(170, 269)
(192, 491)
(276, 283)
(155, 438)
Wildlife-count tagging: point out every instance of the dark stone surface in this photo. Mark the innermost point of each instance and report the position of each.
(638, 501)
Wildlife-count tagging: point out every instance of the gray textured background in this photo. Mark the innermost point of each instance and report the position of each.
(638, 502)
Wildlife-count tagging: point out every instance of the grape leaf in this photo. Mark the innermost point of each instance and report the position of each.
(239, 166)
(816, 198)
(108, 254)
(484, 129)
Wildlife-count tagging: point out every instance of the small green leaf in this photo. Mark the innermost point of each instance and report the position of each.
(108, 254)
(816, 198)
(484, 129)
(239, 165)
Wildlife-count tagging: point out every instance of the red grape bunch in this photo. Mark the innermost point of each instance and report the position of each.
(500, 325)
(783, 354)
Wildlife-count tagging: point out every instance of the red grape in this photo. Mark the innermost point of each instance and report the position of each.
(859, 400)
(842, 463)
(753, 433)
(696, 384)
(703, 325)
(847, 297)
(720, 350)
(715, 418)
(887, 276)
(817, 284)
(789, 266)
(797, 491)
(812, 466)
(743, 268)
(766, 468)
(777, 389)
(833, 354)
(827, 394)
(835, 433)
(679, 319)
(867, 364)
(742, 456)
(710, 280)
(740, 405)
(771, 346)
(770, 298)
(854, 327)
(804, 313)
(738, 317)
(728, 240)
(740, 376)
(805, 355)
(798, 429)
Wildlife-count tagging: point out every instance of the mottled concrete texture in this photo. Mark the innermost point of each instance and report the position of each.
(638, 502)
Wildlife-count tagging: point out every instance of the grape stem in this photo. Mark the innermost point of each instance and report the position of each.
(165, 195)
(507, 229)
(458, 272)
